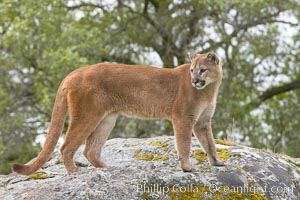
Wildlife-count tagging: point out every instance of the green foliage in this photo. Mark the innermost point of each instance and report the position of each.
(23, 152)
(42, 41)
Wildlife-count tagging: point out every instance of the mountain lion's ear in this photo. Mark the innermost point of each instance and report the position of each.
(212, 57)
(192, 56)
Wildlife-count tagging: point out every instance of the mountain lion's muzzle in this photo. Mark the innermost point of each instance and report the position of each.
(198, 83)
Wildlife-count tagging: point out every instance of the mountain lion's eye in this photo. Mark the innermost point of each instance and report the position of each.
(192, 70)
(202, 71)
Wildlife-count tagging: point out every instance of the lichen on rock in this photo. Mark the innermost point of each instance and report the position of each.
(225, 142)
(41, 175)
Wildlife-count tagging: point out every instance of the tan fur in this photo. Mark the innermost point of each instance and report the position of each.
(95, 96)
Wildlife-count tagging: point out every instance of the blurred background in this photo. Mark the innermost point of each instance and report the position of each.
(258, 41)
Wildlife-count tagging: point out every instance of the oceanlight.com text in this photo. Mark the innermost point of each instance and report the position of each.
(213, 188)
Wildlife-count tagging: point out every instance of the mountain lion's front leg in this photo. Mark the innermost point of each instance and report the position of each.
(202, 130)
(183, 137)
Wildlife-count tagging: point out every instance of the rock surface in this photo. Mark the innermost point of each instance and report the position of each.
(148, 169)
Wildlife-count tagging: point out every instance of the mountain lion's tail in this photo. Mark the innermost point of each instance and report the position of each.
(57, 122)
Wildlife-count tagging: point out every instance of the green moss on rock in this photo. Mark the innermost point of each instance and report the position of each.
(146, 157)
(129, 145)
(155, 156)
(150, 157)
(223, 154)
(199, 155)
(136, 151)
(165, 157)
(225, 142)
(295, 162)
(158, 143)
(206, 170)
(146, 196)
(41, 175)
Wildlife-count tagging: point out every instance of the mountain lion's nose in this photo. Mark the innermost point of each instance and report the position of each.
(195, 80)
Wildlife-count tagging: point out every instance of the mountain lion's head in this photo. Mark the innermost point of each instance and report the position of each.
(205, 69)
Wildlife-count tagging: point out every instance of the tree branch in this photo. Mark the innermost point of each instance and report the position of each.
(269, 93)
(168, 48)
(265, 19)
(145, 11)
(279, 90)
(155, 4)
(284, 22)
(82, 4)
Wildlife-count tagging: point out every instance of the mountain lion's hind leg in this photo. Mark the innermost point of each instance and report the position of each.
(79, 129)
(95, 142)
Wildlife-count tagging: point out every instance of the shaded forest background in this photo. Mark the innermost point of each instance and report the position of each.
(258, 41)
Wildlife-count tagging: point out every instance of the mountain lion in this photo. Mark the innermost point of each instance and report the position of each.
(95, 95)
